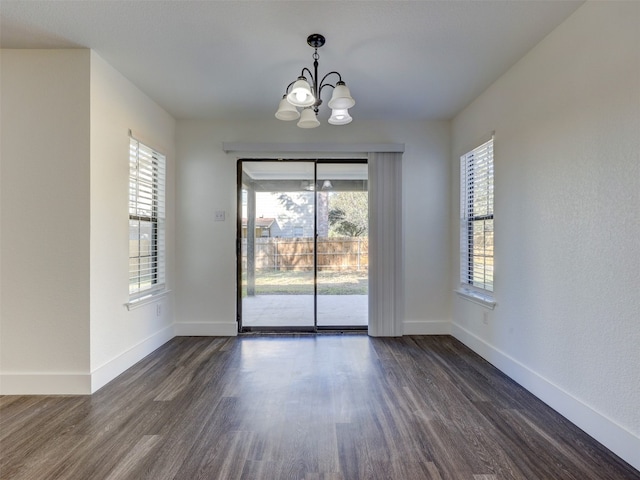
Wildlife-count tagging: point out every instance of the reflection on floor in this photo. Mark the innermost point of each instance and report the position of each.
(297, 310)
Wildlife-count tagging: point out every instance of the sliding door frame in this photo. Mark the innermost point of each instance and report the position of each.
(239, 187)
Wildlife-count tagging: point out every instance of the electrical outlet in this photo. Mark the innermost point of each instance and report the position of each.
(158, 310)
(485, 318)
(219, 216)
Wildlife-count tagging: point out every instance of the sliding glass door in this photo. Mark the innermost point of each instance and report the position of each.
(302, 245)
(342, 245)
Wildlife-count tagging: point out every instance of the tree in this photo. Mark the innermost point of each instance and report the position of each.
(348, 214)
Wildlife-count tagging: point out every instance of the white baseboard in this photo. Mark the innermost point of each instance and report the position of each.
(85, 384)
(423, 327)
(613, 436)
(114, 367)
(45, 384)
(195, 329)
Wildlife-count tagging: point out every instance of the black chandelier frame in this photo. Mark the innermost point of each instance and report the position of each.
(315, 41)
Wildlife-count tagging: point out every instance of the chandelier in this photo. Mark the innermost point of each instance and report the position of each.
(305, 94)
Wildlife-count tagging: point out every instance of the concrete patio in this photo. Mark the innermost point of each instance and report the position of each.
(297, 310)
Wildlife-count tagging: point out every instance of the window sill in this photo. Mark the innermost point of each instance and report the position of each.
(147, 299)
(481, 298)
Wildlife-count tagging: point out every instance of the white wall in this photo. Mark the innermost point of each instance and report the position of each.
(206, 182)
(44, 302)
(567, 222)
(66, 116)
(120, 337)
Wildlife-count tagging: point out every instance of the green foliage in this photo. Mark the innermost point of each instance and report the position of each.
(348, 214)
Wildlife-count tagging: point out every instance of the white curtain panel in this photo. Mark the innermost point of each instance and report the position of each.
(386, 289)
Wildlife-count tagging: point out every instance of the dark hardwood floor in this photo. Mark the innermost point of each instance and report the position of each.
(301, 407)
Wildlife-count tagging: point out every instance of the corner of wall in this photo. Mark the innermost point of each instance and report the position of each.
(118, 364)
(426, 327)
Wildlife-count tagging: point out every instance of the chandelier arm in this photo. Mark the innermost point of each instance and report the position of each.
(325, 85)
(325, 77)
(286, 90)
(313, 79)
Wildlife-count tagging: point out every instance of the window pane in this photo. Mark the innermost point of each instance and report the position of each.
(134, 243)
(146, 238)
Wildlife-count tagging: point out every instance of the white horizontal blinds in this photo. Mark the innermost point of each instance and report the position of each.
(147, 178)
(476, 214)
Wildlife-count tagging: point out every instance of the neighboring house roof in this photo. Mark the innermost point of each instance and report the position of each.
(260, 222)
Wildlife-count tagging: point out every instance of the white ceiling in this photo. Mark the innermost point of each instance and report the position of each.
(233, 59)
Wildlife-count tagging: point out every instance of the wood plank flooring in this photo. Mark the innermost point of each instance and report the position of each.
(332, 407)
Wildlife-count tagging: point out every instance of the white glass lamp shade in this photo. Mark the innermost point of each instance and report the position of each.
(308, 119)
(300, 95)
(286, 111)
(340, 117)
(341, 97)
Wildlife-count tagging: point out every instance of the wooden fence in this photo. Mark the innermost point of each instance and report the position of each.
(337, 254)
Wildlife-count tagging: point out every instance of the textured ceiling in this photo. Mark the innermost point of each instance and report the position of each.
(233, 59)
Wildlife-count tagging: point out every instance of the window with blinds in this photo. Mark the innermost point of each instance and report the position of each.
(147, 172)
(476, 217)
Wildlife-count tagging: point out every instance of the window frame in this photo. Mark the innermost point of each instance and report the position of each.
(147, 208)
(477, 208)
